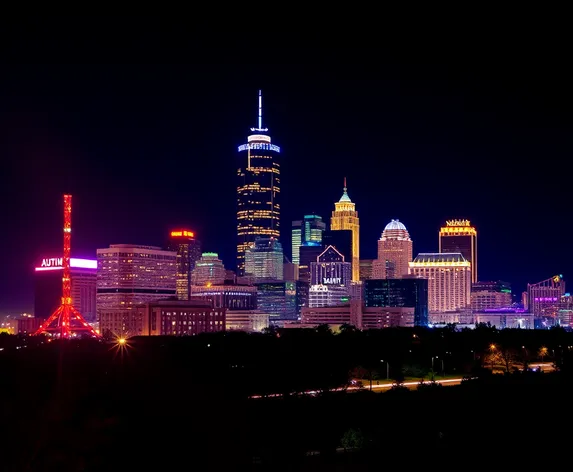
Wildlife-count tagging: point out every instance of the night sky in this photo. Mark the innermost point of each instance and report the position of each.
(143, 128)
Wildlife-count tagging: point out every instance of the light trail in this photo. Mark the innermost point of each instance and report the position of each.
(374, 387)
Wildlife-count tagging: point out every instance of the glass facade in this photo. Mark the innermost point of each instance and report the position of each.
(264, 260)
(406, 293)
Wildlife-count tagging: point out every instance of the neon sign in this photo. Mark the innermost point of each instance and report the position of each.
(260, 146)
(182, 233)
(55, 263)
(331, 280)
(458, 223)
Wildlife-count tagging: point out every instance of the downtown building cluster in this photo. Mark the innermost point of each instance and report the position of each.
(177, 289)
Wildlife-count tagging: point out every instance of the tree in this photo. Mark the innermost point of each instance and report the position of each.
(352, 439)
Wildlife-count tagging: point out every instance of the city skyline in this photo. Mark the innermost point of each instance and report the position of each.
(427, 149)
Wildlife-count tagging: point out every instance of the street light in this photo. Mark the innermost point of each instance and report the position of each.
(387, 369)
(433, 357)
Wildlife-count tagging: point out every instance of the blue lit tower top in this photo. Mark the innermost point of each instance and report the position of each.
(258, 189)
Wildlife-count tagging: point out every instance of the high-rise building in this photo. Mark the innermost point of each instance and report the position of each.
(543, 300)
(366, 269)
(209, 270)
(258, 190)
(345, 217)
(460, 236)
(129, 275)
(394, 252)
(188, 251)
(309, 229)
(449, 280)
(331, 269)
(264, 260)
(48, 286)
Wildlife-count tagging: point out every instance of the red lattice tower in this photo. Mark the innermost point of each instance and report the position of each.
(66, 320)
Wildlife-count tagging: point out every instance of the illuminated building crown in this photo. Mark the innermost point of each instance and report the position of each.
(395, 230)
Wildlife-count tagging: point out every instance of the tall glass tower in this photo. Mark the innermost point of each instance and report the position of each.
(258, 190)
(309, 229)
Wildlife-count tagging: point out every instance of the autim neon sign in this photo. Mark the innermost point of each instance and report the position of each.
(55, 263)
(182, 233)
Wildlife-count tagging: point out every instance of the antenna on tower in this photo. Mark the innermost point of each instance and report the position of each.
(345, 184)
(260, 109)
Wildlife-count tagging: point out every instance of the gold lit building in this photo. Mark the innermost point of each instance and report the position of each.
(449, 280)
(258, 191)
(394, 247)
(460, 236)
(345, 216)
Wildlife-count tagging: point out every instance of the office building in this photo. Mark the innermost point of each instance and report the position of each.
(490, 295)
(405, 292)
(308, 254)
(250, 321)
(449, 280)
(264, 260)
(209, 270)
(368, 318)
(48, 287)
(330, 268)
(460, 236)
(345, 217)
(394, 252)
(179, 318)
(543, 300)
(309, 229)
(258, 190)
(281, 300)
(188, 249)
(129, 275)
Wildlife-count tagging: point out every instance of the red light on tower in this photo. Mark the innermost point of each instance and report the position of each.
(66, 320)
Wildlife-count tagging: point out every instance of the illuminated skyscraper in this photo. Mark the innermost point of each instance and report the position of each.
(345, 216)
(460, 236)
(394, 250)
(188, 251)
(309, 229)
(264, 260)
(209, 270)
(258, 190)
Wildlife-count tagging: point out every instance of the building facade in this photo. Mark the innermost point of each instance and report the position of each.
(449, 280)
(48, 286)
(369, 317)
(209, 270)
(330, 268)
(394, 252)
(188, 251)
(264, 260)
(490, 295)
(309, 229)
(543, 300)
(232, 297)
(405, 292)
(179, 318)
(345, 217)
(127, 276)
(460, 236)
(258, 190)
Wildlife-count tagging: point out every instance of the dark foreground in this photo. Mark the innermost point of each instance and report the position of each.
(89, 407)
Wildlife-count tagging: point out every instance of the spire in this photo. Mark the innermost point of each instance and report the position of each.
(345, 197)
(260, 109)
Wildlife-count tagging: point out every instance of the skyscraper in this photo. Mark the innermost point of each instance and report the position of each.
(258, 190)
(345, 216)
(188, 251)
(460, 236)
(209, 270)
(309, 229)
(264, 260)
(394, 247)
